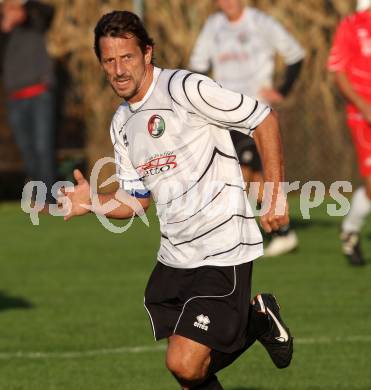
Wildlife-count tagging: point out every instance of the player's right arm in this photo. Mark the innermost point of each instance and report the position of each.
(200, 60)
(119, 205)
(132, 197)
(283, 42)
(347, 90)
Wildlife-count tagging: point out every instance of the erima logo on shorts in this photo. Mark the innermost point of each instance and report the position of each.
(202, 322)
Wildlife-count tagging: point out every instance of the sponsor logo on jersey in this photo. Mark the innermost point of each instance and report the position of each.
(233, 56)
(158, 164)
(156, 126)
(202, 322)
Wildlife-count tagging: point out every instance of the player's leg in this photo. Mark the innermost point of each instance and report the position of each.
(360, 208)
(229, 323)
(194, 365)
(352, 225)
(361, 200)
(167, 291)
(271, 331)
(189, 362)
(265, 325)
(44, 122)
(213, 326)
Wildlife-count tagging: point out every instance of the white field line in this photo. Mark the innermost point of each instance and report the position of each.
(80, 354)
(157, 348)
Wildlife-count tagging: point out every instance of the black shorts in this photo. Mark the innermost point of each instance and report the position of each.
(246, 150)
(208, 304)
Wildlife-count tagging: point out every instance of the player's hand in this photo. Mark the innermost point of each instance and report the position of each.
(271, 96)
(277, 214)
(75, 199)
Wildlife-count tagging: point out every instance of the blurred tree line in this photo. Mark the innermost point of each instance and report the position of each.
(312, 119)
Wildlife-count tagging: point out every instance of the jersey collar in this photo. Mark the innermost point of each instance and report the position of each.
(240, 20)
(136, 106)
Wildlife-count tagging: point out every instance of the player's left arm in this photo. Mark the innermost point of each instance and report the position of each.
(339, 61)
(292, 53)
(268, 141)
(232, 111)
(278, 95)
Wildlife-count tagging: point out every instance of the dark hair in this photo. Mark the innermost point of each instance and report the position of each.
(39, 15)
(123, 24)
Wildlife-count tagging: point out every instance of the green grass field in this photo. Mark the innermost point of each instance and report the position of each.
(72, 316)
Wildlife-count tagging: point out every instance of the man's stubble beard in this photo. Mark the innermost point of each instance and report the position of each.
(127, 96)
(123, 95)
(135, 90)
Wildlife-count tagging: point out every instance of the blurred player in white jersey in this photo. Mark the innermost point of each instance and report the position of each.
(350, 61)
(239, 45)
(172, 144)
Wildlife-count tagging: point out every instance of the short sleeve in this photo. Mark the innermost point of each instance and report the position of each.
(129, 179)
(219, 106)
(281, 40)
(341, 50)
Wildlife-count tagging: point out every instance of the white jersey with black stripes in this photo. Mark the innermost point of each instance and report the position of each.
(242, 53)
(175, 145)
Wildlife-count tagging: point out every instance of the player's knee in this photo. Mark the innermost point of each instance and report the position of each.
(186, 370)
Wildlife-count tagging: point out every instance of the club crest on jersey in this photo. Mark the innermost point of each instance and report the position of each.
(156, 126)
(242, 37)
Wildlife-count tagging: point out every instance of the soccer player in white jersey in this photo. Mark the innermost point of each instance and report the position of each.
(172, 144)
(239, 45)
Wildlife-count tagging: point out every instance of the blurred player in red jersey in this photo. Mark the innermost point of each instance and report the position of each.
(350, 61)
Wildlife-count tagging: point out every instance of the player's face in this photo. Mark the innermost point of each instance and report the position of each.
(125, 66)
(232, 8)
